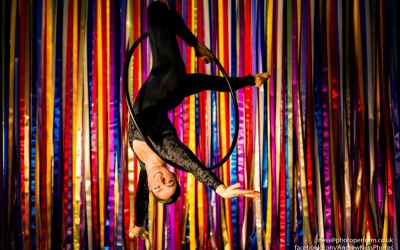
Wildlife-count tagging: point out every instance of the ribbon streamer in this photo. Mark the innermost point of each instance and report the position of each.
(320, 139)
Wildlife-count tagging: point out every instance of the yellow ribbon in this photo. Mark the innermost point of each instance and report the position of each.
(258, 165)
(268, 232)
(199, 186)
(11, 102)
(86, 150)
(160, 225)
(49, 114)
(306, 222)
(152, 214)
(191, 185)
(101, 118)
(360, 84)
(76, 127)
(129, 161)
(290, 115)
(132, 162)
(224, 117)
(385, 230)
(200, 213)
(191, 192)
(26, 191)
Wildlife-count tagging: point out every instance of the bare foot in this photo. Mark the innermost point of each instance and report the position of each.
(261, 78)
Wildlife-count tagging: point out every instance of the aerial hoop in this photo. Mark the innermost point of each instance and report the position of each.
(147, 141)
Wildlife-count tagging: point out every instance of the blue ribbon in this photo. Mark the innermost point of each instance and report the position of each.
(234, 163)
(214, 134)
(214, 131)
(318, 87)
(56, 226)
(89, 53)
(287, 159)
(121, 17)
(299, 225)
(5, 131)
(3, 111)
(36, 76)
(264, 177)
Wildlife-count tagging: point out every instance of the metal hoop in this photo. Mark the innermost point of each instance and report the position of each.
(148, 142)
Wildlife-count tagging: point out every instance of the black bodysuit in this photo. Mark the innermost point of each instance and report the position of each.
(165, 88)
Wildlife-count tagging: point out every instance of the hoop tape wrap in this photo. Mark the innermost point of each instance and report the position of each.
(146, 140)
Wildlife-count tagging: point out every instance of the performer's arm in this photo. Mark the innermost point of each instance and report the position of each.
(186, 34)
(174, 150)
(208, 177)
(141, 199)
(182, 30)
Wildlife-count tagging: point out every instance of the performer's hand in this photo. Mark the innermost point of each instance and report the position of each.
(203, 52)
(139, 232)
(233, 191)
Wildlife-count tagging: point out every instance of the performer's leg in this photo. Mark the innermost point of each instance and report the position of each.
(194, 83)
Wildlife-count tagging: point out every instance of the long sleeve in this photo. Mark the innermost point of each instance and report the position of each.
(141, 199)
(205, 176)
(173, 149)
(182, 30)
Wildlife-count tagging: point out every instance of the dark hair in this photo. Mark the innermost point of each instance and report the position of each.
(174, 197)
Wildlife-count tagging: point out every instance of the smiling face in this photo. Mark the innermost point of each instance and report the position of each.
(162, 182)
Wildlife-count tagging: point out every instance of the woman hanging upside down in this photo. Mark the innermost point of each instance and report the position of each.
(165, 88)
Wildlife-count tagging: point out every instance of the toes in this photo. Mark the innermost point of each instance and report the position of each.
(261, 78)
(265, 76)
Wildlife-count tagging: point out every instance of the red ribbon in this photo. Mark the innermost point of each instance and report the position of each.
(282, 173)
(94, 152)
(22, 116)
(248, 101)
(309, 129)
(67, 125)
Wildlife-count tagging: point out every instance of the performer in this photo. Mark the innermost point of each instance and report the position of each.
(165, 88)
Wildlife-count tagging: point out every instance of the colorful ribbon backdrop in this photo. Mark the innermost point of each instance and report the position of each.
(320, 140)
